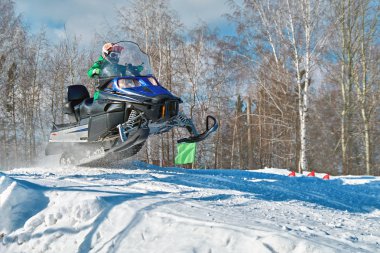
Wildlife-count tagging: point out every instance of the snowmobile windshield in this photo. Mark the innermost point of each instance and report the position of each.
(126, 59)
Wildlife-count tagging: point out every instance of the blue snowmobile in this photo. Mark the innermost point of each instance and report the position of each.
(131, 105)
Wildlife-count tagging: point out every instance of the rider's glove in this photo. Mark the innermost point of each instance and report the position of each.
(96, 72)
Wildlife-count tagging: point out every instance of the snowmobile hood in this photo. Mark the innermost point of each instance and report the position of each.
(146, 88)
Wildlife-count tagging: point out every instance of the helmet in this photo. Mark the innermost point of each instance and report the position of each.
(106, 48)
(111, 52)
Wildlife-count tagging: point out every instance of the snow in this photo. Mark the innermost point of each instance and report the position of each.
(135, 207)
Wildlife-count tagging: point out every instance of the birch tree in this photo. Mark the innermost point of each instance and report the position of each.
(356, 56)
(292, 32)
(365, 80)
(12, 42)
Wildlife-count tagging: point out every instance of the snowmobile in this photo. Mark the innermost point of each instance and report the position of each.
(131, 105)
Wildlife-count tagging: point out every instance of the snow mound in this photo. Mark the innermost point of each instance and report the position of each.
(138, 207)
(18, 202)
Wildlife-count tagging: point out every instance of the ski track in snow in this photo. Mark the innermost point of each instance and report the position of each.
(135, 207)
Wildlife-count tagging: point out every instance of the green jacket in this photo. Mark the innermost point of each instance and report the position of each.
(95, 70)
(96, 67)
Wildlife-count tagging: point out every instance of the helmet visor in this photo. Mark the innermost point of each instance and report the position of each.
(114, 55)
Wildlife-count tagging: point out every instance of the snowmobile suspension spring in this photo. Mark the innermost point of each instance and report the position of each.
(131, 122)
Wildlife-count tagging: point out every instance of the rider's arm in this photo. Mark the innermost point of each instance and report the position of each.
(135, 70)
(95, 68)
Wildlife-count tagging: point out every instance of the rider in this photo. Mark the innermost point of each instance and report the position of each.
(110, 54)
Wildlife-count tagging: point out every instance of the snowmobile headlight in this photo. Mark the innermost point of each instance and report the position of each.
(153, 81)
(126, 83)
(163, 111)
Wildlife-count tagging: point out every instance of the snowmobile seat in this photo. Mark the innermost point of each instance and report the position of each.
(77, 92)
(75, 96)
(69, 110)
(85, 108)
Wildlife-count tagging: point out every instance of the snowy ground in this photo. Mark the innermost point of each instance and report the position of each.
(141, 208)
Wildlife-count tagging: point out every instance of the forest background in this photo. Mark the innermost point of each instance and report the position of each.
(297, 86)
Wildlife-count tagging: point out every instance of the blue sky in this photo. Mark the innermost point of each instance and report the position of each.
(85, 17)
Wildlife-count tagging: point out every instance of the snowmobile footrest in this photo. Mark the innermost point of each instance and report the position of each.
(140, 136)
(123, 136)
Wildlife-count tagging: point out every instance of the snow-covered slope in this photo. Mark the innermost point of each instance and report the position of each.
(143, 208)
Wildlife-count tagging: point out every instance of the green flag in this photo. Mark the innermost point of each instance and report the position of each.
(185, 153)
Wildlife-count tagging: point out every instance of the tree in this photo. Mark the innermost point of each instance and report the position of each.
(290, 35)
(365, 79)
(12, 43)
(357, 80)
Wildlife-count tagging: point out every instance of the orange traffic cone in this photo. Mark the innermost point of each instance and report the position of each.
(292, 174)
(311, 174)
(326, 177)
